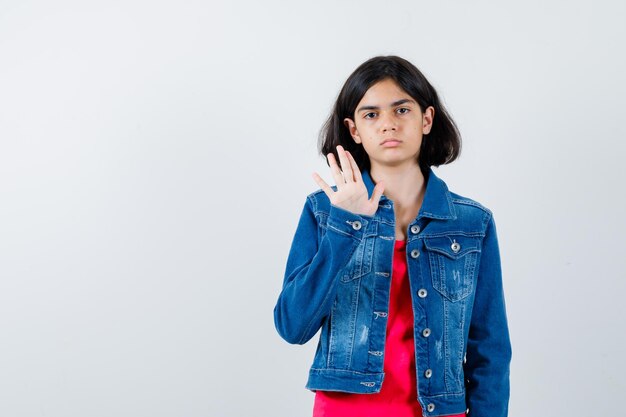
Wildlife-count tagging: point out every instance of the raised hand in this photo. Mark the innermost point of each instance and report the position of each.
(351, 192)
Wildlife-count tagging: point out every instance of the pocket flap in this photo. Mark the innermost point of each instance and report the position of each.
(453, 246)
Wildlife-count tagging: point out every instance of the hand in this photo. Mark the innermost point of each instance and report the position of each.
(351, 192)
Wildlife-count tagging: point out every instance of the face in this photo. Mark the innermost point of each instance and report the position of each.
(389, 124)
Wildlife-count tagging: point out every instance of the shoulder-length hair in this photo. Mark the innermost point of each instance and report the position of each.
(442, 145)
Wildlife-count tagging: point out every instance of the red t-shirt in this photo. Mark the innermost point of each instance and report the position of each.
(398, 394)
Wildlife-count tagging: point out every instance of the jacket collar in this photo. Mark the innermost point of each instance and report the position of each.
(437, 202)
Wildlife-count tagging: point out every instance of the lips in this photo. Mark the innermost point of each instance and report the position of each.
(391, 141)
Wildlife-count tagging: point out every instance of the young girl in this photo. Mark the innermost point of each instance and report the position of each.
(402, 275)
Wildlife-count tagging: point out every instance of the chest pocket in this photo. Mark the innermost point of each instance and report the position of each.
(363, 257)
(453, 264)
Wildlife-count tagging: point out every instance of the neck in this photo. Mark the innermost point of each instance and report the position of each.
(404, 185)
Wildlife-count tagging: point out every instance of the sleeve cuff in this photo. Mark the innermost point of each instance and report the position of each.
(347, 223)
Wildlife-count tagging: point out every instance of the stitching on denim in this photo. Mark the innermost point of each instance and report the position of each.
(363, 261)
(324, 301)
(461, 341)
(353, 317)
(330, 226)
(446, 342)
(324, 370)
(322, 222)
(371, 230)
(455, 257)
(453, 233)
(331, 339)
(486, 221)
(470, 272)
(313, 200)
(441, 271)
(451, 204)
(446, 395)
(438, 260)
(469, 202)
(435, 216)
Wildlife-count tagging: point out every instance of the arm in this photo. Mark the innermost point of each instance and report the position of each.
(488, 348)
(311, 274)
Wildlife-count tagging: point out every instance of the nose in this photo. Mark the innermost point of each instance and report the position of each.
(387, 122)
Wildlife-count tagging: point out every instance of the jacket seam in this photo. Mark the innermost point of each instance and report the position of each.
(471, 203)
(325, 300)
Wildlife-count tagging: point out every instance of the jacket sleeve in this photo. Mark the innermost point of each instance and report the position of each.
(313, 265)
(488, 354)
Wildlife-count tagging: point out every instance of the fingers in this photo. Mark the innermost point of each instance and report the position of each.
(335, 170)
(345, 173)
(329, 191)
(377, 192)
(346, 167)
(355, 168)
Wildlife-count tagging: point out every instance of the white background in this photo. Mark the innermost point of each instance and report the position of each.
(155, 156)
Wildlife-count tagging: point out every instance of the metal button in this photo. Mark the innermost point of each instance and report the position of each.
(356, 225)
(430, 407)
(415, 253)
(455, 246)
(422, 293)
(426, 332)
(428, 373)
(415, 229)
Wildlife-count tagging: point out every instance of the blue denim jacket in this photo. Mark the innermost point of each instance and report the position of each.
(337, 278)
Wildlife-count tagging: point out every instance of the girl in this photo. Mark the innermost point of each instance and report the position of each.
(402, 276)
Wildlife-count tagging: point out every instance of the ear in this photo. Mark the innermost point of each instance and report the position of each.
(352, 128)
(427, 118)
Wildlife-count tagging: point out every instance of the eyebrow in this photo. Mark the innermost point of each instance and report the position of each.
(395, 103)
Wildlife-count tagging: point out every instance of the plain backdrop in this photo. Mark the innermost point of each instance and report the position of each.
(155, 157)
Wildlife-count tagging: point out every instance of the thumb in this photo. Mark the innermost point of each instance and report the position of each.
(377, 192)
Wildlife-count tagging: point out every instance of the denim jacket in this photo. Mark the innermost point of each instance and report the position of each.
(337, 278)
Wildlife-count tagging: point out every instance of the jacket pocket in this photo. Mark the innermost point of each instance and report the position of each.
(363, 257)
(453, 260)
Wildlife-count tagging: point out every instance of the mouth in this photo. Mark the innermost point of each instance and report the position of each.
(391, 142)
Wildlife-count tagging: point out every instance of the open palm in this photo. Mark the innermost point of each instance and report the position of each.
(351, 194)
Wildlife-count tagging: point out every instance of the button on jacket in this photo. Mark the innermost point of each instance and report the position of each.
(338, 278)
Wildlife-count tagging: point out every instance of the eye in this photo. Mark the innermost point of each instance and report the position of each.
(404, 108)
(366, 114)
